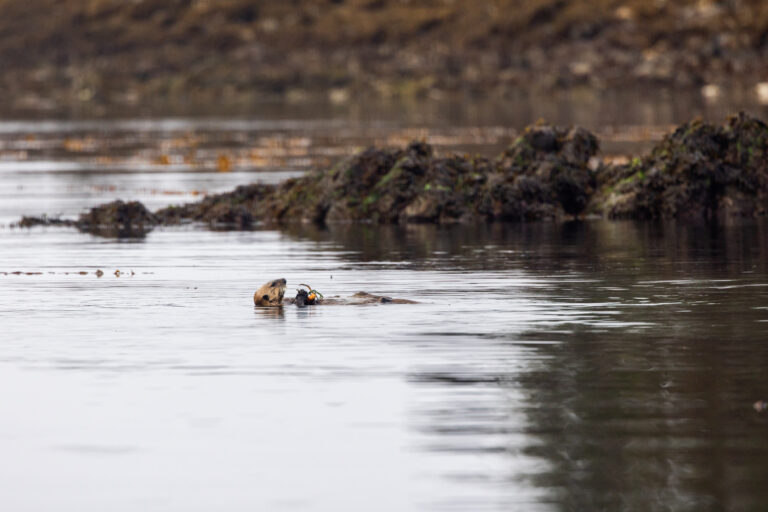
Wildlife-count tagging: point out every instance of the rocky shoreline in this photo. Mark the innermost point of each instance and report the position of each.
(166, 51)
(699, 171)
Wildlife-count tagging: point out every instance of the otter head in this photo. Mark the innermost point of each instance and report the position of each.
(271, 293)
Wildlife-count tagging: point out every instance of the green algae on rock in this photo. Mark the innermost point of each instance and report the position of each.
(544, 174)
(698, 171)
(234, 210)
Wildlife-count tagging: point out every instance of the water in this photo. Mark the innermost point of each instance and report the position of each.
(577, 366)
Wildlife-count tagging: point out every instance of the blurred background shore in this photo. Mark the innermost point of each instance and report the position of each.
(169, 55)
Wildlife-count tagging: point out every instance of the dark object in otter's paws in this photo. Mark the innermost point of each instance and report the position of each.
(303, 298)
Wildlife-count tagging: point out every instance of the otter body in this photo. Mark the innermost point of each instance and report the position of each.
(360, 298)
(270, 294)
(369, 298)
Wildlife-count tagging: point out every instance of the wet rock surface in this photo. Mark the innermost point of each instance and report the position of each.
(116, 219)
(544, 174)
(30, 222)
(698, 171)
(238, 209)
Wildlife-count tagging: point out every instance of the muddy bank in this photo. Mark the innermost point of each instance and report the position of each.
(700, 171)
(113, 52)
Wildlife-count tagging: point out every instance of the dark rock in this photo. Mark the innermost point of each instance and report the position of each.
(699, 171)
(545, 174)
(579, 146)
(118, 219)
(543, 138)
(28, 222)
(224, 215)
(238, 209)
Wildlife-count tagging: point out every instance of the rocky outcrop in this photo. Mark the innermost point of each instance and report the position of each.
(115, 219)
(238, 209)
(544, 174)
(168, 53)
(698, 171)
(118, 218)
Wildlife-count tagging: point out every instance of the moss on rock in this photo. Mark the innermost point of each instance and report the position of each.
(699, 171)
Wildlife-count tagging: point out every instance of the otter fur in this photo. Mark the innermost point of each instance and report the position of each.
(360, 298)
(271, 293)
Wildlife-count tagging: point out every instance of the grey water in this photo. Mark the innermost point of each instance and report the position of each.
(548, 366)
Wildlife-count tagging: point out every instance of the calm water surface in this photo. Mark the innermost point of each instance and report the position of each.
(577, 366)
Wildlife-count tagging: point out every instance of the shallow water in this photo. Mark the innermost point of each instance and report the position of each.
(551, 367)
(577, 366)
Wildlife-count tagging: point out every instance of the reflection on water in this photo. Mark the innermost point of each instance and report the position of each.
(574, 366)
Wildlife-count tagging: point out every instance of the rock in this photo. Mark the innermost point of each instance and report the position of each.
(579, 146)
(699, 171)
(238, 209)
(542, 175)
(29, 222)
(543, 138)
(227, 216)
(534, 179)
(545, 174)
(118, 219)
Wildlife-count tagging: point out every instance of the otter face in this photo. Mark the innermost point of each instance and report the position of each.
(271, 293)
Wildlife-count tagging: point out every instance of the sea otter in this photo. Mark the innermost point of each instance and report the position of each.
(271, 293)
